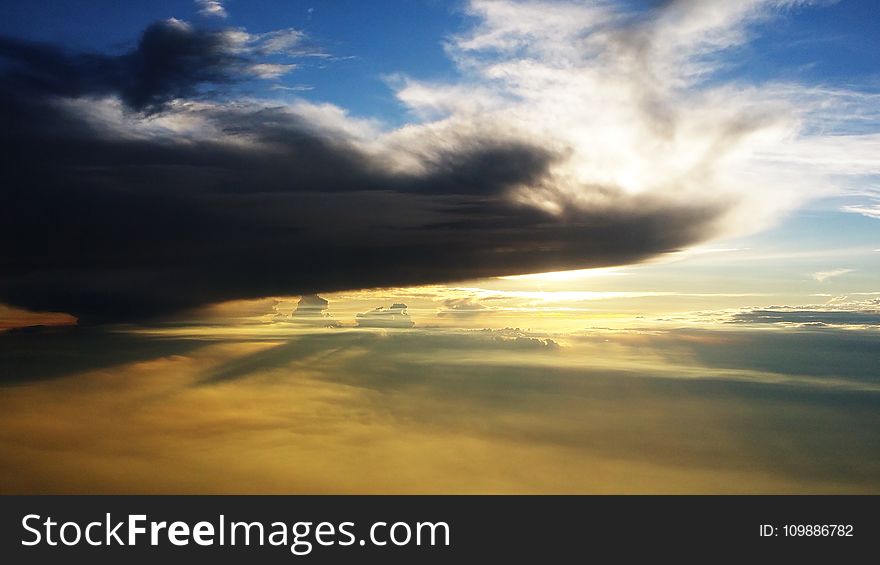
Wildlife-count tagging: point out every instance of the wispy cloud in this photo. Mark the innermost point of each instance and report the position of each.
(283, 41)
(823, 276)
(868, 211)
(294, 88)
(665, 128)
(271, 70)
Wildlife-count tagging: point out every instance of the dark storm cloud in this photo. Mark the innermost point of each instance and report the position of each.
(172, 60)
(113, 226)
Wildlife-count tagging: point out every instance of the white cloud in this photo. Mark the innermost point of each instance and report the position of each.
(290, 42)
(633, 101)
(294, 88)
(283, 41)
(212, 8)
(823, 276)
(270, 70)
(869, 211)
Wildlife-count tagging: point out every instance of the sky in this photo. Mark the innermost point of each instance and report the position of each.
(424, 246)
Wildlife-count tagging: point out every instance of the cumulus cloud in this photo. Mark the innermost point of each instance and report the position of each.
(517, 338)
(394, 316)
(580, 135)
(311, 305)
(311, 310)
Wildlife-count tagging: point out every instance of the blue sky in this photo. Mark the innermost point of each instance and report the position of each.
(370, 43)
(832, 42)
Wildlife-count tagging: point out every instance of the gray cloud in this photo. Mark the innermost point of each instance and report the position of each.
(459, 307)
(822, 351)
(809, 317)
(311, 305)
(172, 60)
(42, 353)
(311, 310)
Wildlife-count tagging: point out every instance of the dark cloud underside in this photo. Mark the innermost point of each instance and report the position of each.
(114, 227)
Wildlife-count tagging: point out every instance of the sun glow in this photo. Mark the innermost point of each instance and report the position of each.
(568, 276)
